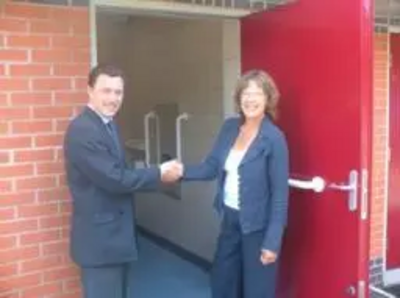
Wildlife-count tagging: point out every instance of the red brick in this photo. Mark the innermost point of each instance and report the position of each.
(22, 281)
(31, 99)
(37, 210)
(51, 84)
(49, 56)
(27, 11)
(29, 70)
(50, 27)
(15, 142)
(62, 125)
(18, 227)
(6, 243)
(73, 42)
(5, 186)
(81, 28)
(15, 199)
(72, 284)
(40, 237)
(65, 233)
(50, 195)
(81, 56)
(7, 171)
(7, 214)
(56, 248)
(52, 112)
(60, 274)
(14, 84)
(8, 269)
(60, 154)
(21, 253)
(62, 180)
(80, 84)
(43, 290)
(54, 221)
(14, 113)
(50, 168)
(49, 141)
(35, 183)
(31, 127)
(13, 55)
(4, 100)
(3, 128)
(4, 157)
(77, 69)
(34, 155)
(70, 14)
(9, 25)
(71, 98)
(73, 294)
(65, 207)
(28, 41)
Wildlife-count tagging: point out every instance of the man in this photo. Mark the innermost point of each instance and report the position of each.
(103, 235)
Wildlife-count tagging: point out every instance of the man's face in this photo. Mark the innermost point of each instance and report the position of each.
(106, 95)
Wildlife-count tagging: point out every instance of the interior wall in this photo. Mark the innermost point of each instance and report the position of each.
(190, 62)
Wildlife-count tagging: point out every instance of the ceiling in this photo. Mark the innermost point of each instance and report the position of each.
(384, 8)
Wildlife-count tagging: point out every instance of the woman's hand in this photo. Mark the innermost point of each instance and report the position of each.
(267, 257)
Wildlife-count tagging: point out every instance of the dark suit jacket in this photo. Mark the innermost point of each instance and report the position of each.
(264, 174)
(102, 187)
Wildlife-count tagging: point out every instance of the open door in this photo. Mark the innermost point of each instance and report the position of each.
(393, 251)
(319, 52)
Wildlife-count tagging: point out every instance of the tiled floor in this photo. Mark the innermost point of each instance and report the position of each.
(161, 274)
(394, 290)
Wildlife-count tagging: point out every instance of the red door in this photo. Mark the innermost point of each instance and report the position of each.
(319, 52)
(393, 252)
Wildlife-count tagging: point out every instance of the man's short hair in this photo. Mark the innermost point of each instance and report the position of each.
(104, 69)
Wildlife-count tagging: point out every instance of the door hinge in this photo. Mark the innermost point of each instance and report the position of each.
(362, 289)
(359, 291)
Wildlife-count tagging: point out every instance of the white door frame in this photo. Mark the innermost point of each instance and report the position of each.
(157, 8)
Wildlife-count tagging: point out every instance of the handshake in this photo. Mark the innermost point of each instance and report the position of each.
(171, 171)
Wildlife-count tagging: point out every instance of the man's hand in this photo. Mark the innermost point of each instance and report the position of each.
(171, 171)
(267, 257)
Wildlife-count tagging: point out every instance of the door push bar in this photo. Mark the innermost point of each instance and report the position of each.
(147, 118)
(318, 185)
(178, 127)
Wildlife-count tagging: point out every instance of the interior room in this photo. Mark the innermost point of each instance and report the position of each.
(180, 73)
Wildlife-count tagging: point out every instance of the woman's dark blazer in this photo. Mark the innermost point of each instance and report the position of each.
(263, 182)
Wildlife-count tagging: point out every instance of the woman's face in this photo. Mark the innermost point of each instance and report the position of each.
(253, 101)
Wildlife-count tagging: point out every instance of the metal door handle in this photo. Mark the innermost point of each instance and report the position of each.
(158, 139)
(178, 126)
(351, 187)
(316, 184)
(147, 118)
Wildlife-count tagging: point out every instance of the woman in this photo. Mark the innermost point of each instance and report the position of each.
(250, 161)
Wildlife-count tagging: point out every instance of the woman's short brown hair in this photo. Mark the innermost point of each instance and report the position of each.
(266, 83)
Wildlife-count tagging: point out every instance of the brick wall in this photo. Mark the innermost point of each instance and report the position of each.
(44, 59)
(380, 139)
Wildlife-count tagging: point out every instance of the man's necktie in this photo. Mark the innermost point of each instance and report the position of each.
(114, 135)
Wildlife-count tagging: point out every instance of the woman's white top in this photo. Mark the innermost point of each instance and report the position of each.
(231, 187)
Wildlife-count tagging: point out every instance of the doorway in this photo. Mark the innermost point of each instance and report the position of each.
(180, 73)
